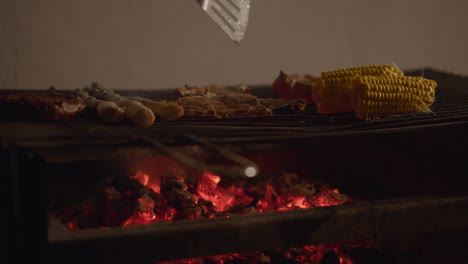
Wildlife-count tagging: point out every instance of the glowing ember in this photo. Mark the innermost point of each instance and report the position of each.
(141, 200)
(140, 218)
(145, 213)
(333, 253)
(208, 190)
(141, 178)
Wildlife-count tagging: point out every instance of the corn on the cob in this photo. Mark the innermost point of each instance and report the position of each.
(332, 95)
(374, 97)
(332, 91)
(372, 70)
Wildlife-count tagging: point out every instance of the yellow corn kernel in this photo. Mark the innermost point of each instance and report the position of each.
(373, 70)
(332, 95)
(332, 91)
(374, 97)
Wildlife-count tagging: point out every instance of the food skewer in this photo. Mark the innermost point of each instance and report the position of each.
(199, 167)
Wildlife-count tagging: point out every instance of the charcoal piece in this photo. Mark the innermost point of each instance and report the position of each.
(189, 211)
(170, 182)
(87, 217)
(281, 256)
(160, 206)
(361, 255)
(244, 209)
(111, 202)
(285, 180)
(128, 187)
(174, 190)
(113, 212)
(207, 207)
(258, 257)
(330, 258)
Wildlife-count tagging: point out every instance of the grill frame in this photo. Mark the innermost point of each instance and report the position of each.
(443, 132)
(263, 232)
(380, 219)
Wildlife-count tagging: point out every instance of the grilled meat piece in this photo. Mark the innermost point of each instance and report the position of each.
(294, 86)
(220, 107)
(40, 106)
(237, 105)
(210, 90)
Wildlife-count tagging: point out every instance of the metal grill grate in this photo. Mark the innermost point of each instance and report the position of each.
(445, 112)
(450, 109)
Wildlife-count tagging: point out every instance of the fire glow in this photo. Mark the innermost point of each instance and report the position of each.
(139, 201)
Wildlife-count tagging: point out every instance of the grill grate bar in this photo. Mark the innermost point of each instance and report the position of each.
(279, 137)
(446, 110)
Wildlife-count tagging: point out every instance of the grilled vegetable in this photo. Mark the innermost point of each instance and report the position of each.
(373, 70)
(332, 95)
(374, 97)
(332, 91)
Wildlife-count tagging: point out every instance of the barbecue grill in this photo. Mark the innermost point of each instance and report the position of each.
(407, 171)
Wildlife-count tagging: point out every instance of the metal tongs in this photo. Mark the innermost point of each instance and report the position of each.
(244, 169)
(231, 16)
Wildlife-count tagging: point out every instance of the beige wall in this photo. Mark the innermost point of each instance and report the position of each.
(156, 44)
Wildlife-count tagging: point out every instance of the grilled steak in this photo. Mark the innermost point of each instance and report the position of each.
(40, 106)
